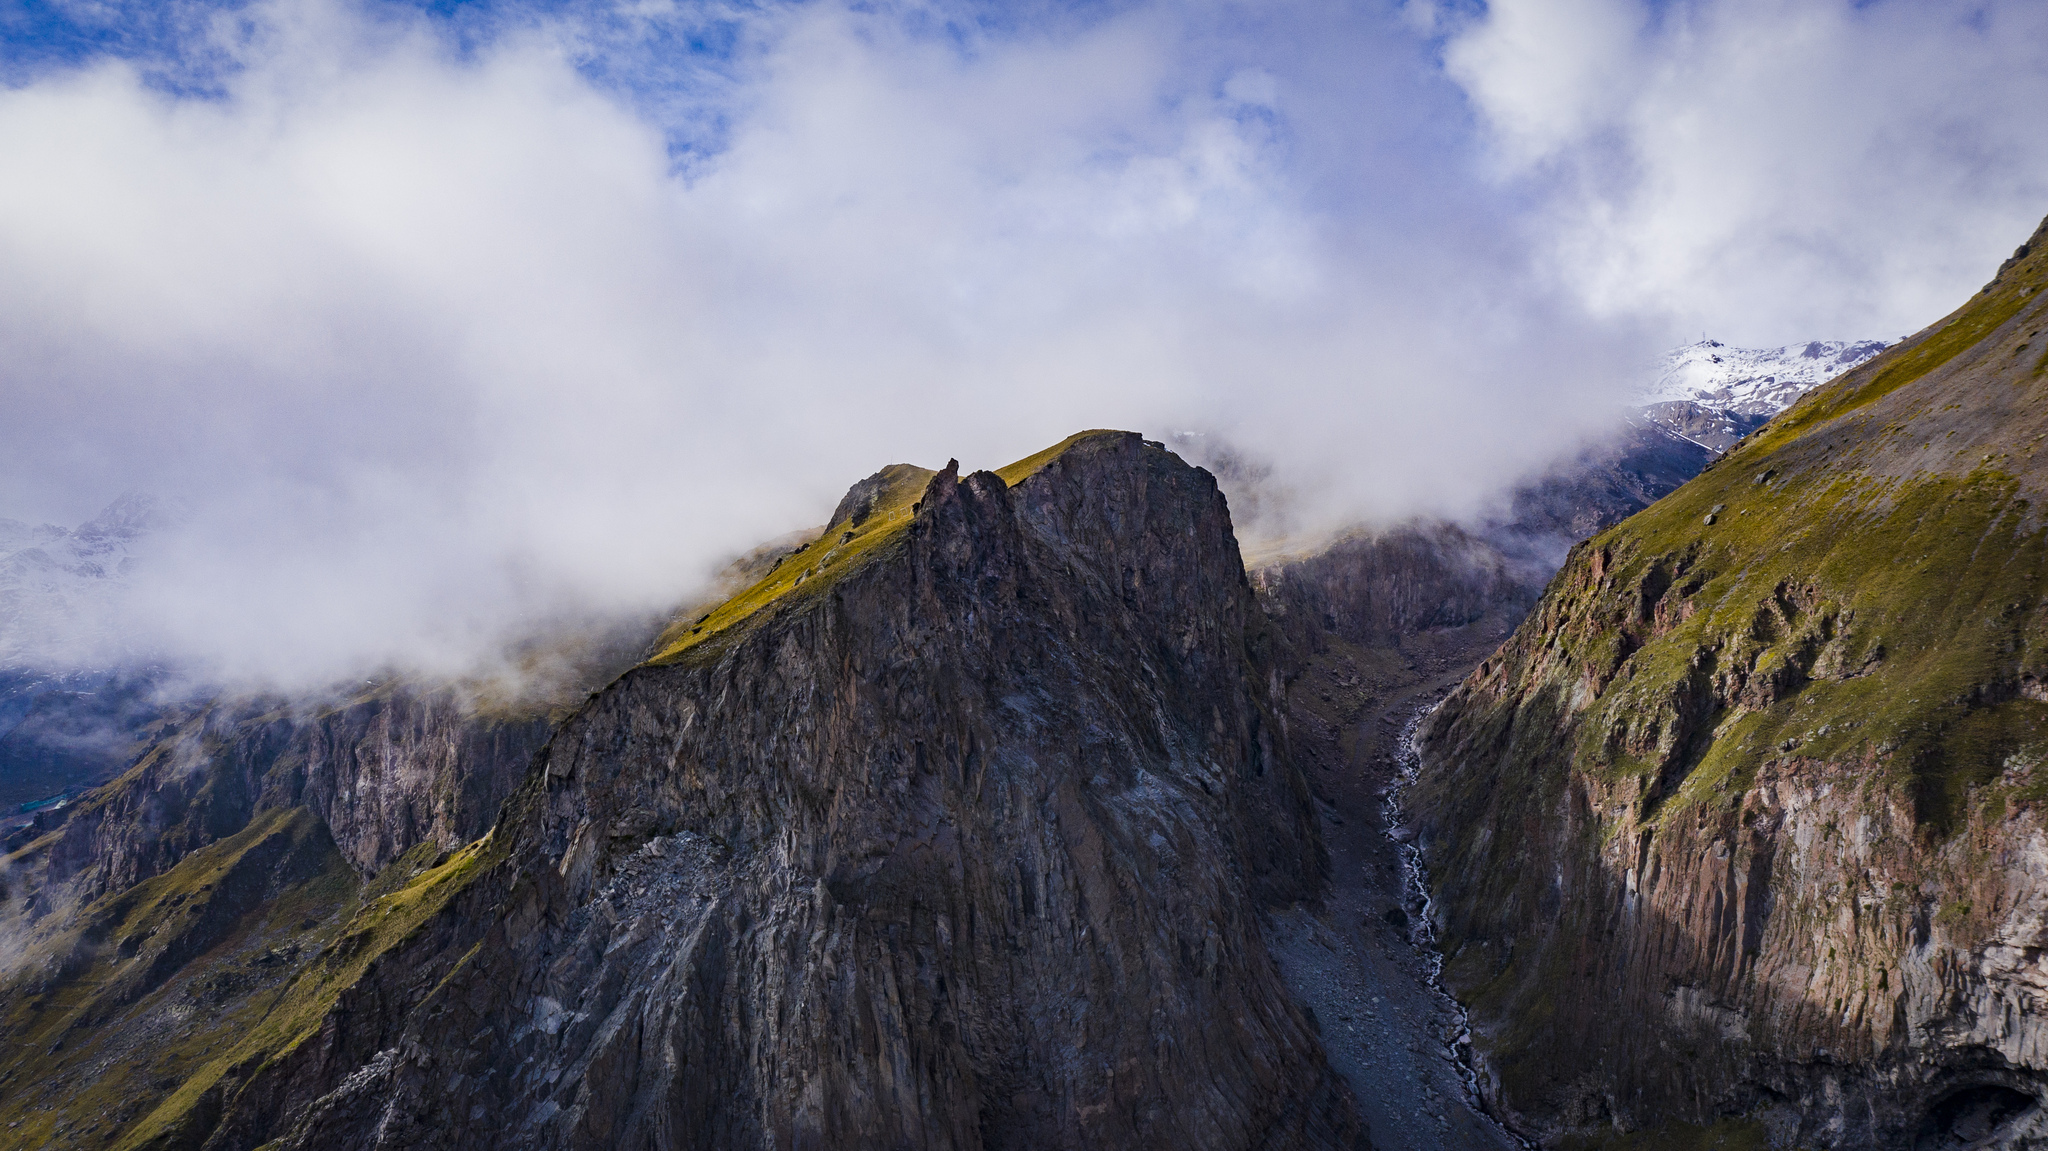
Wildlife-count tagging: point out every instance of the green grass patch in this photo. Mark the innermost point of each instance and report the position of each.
(1031, 465)
(803, 574)
(1848, 616)
(142, 989)
(844, 548)
(398, 903)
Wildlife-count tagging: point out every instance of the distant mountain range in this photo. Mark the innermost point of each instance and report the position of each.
(1753, 381)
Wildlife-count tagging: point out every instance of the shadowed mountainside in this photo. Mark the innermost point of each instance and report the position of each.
(1740, 834)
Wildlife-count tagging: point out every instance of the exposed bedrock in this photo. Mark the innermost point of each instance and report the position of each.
(961, 847)
(1797, 953)
(384, 774)
(1742, 829)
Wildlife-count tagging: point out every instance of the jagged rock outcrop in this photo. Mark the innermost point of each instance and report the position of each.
(1743, 829)
(384, 773)
(387, 774)
(952, 832)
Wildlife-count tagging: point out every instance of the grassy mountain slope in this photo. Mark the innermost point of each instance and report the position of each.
(116, 1007)
(1707, 829)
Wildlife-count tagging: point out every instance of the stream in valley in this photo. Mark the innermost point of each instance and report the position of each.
(1365, 960)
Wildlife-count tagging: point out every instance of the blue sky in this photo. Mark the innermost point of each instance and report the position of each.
(428, 312)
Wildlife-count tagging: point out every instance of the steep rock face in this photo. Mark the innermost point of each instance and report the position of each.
(387, 774)
(950, 833)
(383, 773)
(195, 786)
(1743, 826)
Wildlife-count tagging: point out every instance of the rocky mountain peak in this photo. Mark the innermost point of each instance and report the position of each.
(883, 488)
(1752, 381)
(1712, 394)
(951, 831)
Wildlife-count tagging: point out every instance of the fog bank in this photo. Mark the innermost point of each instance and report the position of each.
(439, 332)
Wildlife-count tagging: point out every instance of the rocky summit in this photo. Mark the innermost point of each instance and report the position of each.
(954, 830)
(1739, 840)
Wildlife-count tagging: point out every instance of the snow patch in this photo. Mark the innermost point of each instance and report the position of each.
(1752, 381)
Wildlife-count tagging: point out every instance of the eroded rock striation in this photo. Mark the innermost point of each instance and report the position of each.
(1741, 833)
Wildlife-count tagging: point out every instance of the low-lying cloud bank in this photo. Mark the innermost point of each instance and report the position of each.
(438, 337)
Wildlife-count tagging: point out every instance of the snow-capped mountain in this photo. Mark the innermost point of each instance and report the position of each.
(1752, 381)
(1714, 395)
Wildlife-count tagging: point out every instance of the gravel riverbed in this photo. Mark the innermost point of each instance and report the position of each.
(1363, 961)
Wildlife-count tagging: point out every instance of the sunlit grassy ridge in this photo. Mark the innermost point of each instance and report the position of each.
(845, 547)
(806, 572)
(1955, 334)
(145, 988)
(404, 897)
(1807, 598)
(198, 978)
(1031, 465)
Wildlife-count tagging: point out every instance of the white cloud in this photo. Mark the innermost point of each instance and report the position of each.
(1549, 72)
(434, 344)
(1770, 169)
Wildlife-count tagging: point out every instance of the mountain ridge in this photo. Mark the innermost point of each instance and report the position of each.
(904, 838)
(1741, 826)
